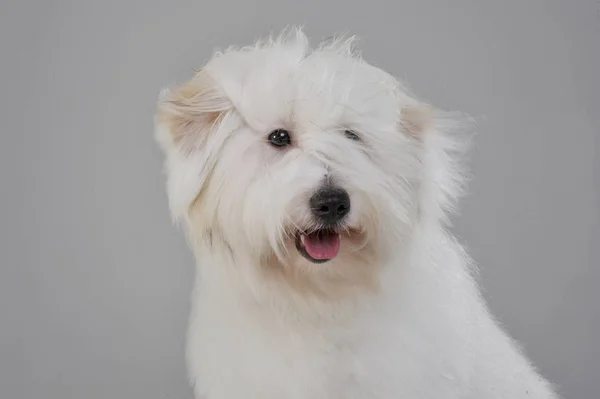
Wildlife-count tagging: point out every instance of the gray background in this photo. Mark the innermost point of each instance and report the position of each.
(94, 280)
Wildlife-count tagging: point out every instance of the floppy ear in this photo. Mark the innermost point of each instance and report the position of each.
(187, 128)
(188, 113)
(416, 119)
(442, 157)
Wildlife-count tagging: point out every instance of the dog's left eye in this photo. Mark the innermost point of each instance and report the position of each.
(280, 138)
(351, 135)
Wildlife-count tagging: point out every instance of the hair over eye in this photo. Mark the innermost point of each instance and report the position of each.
(352, 135)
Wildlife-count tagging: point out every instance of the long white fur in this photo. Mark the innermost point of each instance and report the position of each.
(425, 332)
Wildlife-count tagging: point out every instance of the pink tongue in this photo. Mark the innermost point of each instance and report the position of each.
(322, 245)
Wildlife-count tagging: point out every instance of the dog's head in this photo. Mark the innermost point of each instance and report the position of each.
(308, 164)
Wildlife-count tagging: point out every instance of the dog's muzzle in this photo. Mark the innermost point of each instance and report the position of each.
(329, 207)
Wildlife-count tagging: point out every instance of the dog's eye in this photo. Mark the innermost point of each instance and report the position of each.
(280, 138)
(351, 135)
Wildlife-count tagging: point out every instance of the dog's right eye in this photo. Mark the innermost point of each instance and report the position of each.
(279, 138)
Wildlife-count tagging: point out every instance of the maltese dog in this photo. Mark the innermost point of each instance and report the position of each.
(315, 191)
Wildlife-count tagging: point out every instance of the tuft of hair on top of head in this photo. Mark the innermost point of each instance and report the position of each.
(289, 37)
(342, 44)
(293, 36)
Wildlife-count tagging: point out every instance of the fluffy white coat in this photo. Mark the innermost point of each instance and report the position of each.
(397, 314)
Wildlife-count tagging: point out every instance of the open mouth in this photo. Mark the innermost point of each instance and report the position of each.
(319, 246)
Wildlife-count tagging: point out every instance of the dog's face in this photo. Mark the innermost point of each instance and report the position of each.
(304, 162)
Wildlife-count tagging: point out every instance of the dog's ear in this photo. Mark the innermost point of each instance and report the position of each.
(189, 112)
(187, 128)
(416, 119)
(441, 150)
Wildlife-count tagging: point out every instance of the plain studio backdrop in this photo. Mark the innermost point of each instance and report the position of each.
(94, 279)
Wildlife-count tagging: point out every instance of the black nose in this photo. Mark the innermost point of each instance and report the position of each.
(330, 204)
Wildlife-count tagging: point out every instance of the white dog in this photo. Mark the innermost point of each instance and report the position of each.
(315, 192)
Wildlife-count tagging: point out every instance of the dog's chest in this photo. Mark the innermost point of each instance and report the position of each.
(238, 353)
(268, 361)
